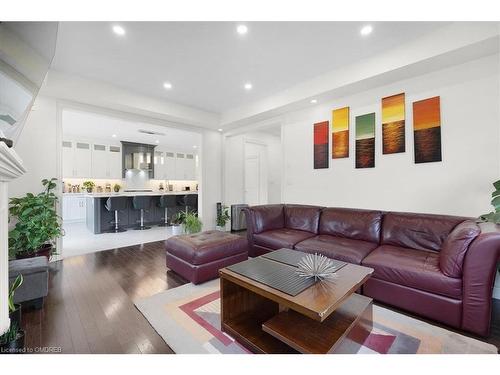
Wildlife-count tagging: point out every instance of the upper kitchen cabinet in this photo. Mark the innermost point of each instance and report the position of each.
(77, 159)
(185, 167)
(174, 166)
(106, 161)
(87, 160)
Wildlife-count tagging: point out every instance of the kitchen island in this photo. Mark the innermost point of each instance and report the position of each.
(100, 220)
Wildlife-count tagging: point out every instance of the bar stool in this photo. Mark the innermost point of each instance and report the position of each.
(116, 204)
(141, 202)
(180, 202)
(167, 202)
(191, 202)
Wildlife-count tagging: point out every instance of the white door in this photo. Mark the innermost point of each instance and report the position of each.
(255, 174)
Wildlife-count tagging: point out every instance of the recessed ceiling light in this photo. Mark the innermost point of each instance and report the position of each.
(195, 146)
(366, 30)
(314, 101)
(114, 135)
(157, 141)
(242, 29)
(167, 85)
(118, 30)
(248, 86)
(220, 129)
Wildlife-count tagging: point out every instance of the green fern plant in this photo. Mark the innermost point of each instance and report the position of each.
(16, 284)
(192, 223)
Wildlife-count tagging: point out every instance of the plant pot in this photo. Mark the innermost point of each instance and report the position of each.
(177, 230)
(15, 316)
(219, 228)
(89, 190)
(44, 251)
(15, 346)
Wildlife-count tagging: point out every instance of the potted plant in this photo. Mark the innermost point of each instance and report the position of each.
(15, 308)
(89, 186)
(222, 218)
(192, 223)
(116, 188)
(177, 223)
(493, 216)
(37, 225)
(12, 341)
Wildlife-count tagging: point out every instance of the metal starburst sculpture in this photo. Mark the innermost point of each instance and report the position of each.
(316, 266)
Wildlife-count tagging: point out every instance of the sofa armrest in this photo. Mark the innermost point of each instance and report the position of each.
(479, 271)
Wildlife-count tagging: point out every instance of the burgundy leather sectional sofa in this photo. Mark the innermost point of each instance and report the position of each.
(440, 267)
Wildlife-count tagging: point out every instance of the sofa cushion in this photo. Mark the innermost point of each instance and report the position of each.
(412, 268)
(267, 217)
(301, 217)
(361, 225)
(417, 231)
(345, 249)
(451, 257)
(279, 238)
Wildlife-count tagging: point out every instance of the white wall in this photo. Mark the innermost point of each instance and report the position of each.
(460, 184)
(234, 163)
(211, 178)
(37, 147)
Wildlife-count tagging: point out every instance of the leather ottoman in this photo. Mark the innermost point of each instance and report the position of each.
(198, 257)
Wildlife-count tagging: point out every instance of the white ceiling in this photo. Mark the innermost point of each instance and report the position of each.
(208, 62)
(91, 126)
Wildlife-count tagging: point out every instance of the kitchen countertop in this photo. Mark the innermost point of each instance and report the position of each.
(130, 193)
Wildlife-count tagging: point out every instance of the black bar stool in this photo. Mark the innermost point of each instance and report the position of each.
(191, 202)
(141, 202)
(116, 204)
(180, 202)
(167, 202)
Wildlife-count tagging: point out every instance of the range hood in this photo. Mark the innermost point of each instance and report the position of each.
(138, 157)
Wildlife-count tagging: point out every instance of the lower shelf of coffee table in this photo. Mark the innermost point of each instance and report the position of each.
(353, 319)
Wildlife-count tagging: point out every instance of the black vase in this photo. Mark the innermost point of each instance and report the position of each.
(15, 346)
(15, 316)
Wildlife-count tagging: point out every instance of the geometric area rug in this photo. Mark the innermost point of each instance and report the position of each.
(188, 319)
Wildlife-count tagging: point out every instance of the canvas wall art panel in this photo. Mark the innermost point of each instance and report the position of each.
(340, 133)
(321, 144)
(365, 141)
(393, 124)
(427, 130)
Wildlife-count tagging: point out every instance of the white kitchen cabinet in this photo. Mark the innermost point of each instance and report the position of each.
(73, 208)
(115, 170)
(180, 165)
(77, 159)
(190, 167)
(169, 166)
(159, 165)
(99, 161)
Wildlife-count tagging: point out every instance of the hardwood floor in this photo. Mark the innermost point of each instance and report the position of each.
(90, 306)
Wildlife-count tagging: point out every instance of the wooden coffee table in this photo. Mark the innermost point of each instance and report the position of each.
(317, 320)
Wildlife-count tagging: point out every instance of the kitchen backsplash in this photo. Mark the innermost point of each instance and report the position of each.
(134, 182)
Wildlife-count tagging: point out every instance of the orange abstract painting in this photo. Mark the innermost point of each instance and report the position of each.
(427, 130)
(393, 124)
(340, 133)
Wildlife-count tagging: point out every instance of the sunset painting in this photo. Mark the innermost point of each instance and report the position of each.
(393, 124)
(365, 141)
(427, 130)
(321, 145)
(340, 133)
